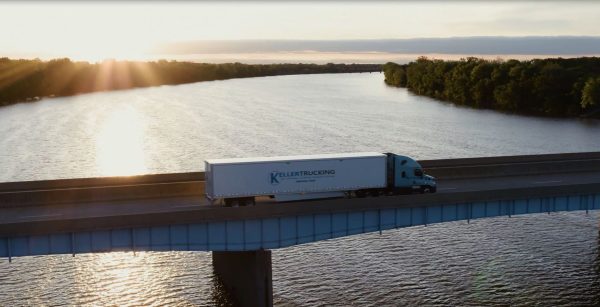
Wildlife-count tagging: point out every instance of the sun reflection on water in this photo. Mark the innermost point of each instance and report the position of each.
(120, 144)
(120, 279)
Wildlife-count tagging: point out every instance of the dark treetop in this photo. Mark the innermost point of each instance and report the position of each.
(26, 80)
(549, 87)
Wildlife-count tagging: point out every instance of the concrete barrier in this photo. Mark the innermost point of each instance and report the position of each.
(101, 193)
(513, 169)
(99, 181)
(509, 159)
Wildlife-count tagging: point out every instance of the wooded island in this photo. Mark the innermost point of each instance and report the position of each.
(550, 87)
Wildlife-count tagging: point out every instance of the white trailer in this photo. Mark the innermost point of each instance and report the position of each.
(293, 177)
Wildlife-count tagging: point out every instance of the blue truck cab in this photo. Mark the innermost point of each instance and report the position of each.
(405, 175)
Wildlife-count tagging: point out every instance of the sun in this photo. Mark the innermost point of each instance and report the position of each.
(117, 49)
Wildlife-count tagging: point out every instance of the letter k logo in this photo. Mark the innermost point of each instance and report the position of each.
(274, 178)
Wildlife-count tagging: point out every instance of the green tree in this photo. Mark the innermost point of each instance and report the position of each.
(590, 95)
(27, 80)
(394, 74)
(483, 87)
(551, 87)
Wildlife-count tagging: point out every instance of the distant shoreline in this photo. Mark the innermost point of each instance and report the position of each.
(32, 80)
(319, 57)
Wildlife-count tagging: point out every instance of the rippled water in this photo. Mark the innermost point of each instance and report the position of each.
(175, 128)
(526, 260)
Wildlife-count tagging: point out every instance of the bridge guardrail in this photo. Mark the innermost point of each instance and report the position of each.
(514, 169)
(99, 181)
(509, 159)
(103, 193)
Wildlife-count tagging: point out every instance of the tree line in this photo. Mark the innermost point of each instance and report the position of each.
(550, 87)
(26, 80)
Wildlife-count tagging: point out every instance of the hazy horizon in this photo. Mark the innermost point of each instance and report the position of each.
(360, 51)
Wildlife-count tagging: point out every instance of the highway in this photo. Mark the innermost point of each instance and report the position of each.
(166, 199)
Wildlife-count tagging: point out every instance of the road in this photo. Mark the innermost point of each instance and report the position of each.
(154, 201)
(179, 204)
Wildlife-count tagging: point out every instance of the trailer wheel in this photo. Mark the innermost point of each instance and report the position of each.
(247, 201)
(360, 193)
(229, 202)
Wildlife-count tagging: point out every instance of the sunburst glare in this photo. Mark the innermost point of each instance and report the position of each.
(119, 145)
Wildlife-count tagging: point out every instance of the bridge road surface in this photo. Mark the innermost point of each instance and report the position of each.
(17, 219)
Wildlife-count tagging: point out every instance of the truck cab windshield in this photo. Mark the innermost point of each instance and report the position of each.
(419, 172)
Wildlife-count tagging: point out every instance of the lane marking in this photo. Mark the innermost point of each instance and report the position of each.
(38, 216)
(549, 181)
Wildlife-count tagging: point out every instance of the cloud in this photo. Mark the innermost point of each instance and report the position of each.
(540, 45)
(516, 26)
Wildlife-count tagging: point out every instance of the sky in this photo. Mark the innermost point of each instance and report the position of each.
(93, 30)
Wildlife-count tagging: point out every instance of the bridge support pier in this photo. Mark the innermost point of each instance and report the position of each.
(246, 275)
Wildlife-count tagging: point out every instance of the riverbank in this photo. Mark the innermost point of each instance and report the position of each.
(31, 80)
(554, 87)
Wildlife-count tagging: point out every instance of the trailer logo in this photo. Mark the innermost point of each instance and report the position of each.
(300, 176)
(274, 178)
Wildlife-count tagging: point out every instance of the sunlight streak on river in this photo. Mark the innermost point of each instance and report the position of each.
(119, 144)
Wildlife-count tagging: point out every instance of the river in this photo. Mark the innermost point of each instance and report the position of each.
(524, 260)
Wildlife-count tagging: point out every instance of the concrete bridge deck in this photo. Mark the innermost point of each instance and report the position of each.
(38, 207)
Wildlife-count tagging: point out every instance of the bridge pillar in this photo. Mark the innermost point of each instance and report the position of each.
(247, 276)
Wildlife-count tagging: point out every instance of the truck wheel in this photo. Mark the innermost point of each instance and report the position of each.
(229, 202)
(360, 193)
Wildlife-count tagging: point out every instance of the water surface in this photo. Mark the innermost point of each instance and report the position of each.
(175, 128)
(525, 260)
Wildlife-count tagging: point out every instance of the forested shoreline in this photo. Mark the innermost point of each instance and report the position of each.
(554, 87)
(28, 80)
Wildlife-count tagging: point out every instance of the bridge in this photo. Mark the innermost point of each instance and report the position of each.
(168, 212)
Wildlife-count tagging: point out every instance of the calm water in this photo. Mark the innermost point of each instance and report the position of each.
(538, 259)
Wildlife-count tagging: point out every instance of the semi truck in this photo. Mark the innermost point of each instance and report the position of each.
(239, 181)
